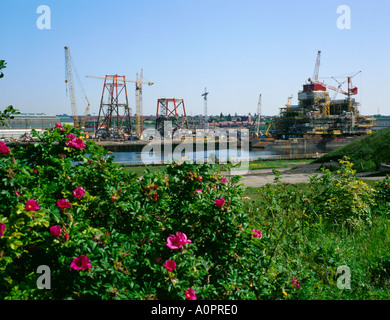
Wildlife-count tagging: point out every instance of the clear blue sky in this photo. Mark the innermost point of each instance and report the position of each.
(237, 49)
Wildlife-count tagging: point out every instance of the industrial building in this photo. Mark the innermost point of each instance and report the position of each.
(21, 125)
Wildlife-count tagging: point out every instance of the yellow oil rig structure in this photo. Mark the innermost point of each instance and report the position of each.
(318, 116)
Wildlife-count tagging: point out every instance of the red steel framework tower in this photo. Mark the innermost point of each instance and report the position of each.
(168, 110)
(114, 113)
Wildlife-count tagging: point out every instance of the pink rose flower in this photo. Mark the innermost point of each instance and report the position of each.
(59, 126)
(32, 205)
(63, 204)
(223, 180)
(256, 233)
(71, 136)
(219, 202)
(66, 236)
(3, 148)
(190, 294)
(79, 192)
(78, 144)
(80, 263)
(295, 282)
(198, 190)
(17, 193)
(2, 228)
(74, 142)
(170, 265)
(176, 242)
(55, 231)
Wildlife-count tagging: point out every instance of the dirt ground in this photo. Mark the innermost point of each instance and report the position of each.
(297, 174)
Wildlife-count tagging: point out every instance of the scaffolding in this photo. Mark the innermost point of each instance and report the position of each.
(318, 115)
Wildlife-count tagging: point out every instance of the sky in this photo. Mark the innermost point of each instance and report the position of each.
(236, 49)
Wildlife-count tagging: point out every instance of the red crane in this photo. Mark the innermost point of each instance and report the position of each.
(350, 91)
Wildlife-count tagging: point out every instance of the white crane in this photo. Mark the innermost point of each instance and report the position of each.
(258, 115)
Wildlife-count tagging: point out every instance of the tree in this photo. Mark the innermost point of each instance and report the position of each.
(9, 111)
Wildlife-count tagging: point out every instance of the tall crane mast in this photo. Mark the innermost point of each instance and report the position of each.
(70, 83)
(138, 94)
(204, 95)
(317, 66)
(258, 115)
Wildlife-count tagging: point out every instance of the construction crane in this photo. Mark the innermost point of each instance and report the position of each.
(267, 131)
(69, 82)
(258, 116)
(139, 104)
(204, 95)
(317, 66)
(138, 96)
(288, 104)
(338, 88)
(350, 90)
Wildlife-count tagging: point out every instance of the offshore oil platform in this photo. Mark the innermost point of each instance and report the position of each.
(320, 118)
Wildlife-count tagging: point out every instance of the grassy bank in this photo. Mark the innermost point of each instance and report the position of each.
(318, 248)
(253, 165)
(366, 153)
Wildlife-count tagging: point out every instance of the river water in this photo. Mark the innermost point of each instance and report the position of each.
(270, 152)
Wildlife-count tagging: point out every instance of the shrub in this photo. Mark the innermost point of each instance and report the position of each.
(103, 232)
(340, 197)
(180, 233)
(382, 188)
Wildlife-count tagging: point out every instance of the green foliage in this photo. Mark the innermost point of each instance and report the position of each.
(277, 248)
(342, 198)
(382, 188)
(309, 242)
(10, 110)
(2, 66)
(367, 153)
(121, 224)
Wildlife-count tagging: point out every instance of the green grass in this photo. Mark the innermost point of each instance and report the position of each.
(366, 153)
(272, 164)
(323, 247)
(253, 165)
(140, 170)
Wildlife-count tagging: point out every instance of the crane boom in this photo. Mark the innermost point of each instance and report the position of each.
(317, 66)
(69, 82)
(127, 80)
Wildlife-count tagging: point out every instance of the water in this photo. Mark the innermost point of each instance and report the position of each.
(270, 153)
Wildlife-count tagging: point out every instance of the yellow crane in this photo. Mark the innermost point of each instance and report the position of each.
(288, 104)
(267, 131)
(70, 83)
(138, 96)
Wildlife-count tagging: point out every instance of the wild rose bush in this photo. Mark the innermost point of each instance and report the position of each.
(182, 233)
(105, 234)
